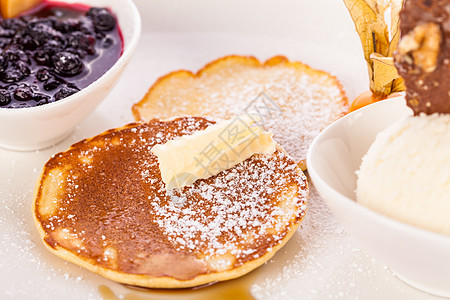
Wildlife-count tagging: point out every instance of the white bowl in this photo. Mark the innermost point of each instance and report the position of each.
(43, 126)
(419, 257)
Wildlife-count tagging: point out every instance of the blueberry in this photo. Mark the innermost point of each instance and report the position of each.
(41, 99)
(23, 56)
(51, 47)
(68, 25)
(67, 64)
(27, 18)
(3, 63)
(34, 21)
(88, 27)
(41, 57)
(12, 75)
(42, 102)
(4, 42)
(78, 40)
(102, 18)
(23, 93)
(22, 67)
(65, 91)
(51, 84)
(15, 72)
(8, 33)
(26, 42)
(107, 42)
(13, 55)
(10, 55)
(13, 24)
(5, 97)
(81, 53)
(43, 32)
(54, 44)
(93, 11)
(40, 31)
(71, 50)
(43, 74)
(100, 35)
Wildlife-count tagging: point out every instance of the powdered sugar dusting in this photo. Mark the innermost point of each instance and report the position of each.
(236, 205)
(323, 262)
(235, 216)
(225, 213)
(309, 101)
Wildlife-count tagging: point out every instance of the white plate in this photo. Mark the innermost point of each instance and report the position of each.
(321, 261)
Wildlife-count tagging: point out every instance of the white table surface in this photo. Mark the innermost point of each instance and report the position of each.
(321, 261)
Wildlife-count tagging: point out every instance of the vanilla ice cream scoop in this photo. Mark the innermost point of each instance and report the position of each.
(406, 172)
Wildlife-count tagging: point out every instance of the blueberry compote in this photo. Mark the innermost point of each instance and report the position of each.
(55, 51)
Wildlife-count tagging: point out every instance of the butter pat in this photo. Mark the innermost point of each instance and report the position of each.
(208, 152)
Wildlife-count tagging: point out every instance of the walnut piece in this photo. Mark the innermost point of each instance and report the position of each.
(422, 43)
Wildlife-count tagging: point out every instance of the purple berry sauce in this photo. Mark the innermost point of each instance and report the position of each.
(54, 51)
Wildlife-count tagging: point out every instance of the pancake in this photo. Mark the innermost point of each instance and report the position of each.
(102, 205)
(296, 100)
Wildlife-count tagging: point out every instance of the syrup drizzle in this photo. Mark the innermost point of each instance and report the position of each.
(232, 289)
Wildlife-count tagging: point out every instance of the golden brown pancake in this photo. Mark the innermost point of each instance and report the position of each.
(102, 205)
(296, 100)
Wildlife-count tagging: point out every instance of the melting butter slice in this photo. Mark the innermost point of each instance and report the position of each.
(208, 152)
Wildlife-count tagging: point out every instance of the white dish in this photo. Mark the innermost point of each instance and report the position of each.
(419, 257)
(42, 126)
